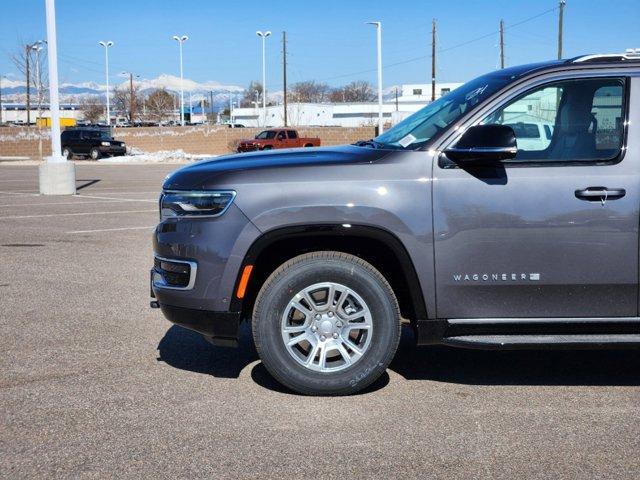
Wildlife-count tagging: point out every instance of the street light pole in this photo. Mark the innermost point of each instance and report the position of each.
(36, 47)
(106, 46)
(264, 36)
(57, 176)
(378, 26)
(180, 41)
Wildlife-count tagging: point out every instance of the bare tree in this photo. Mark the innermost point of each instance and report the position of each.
(92, 109)
(159, 104)
(310, 92)
(358, 91)
(122, 101)
(250, 94)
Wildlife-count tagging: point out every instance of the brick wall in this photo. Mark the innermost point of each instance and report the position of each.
(215, 140)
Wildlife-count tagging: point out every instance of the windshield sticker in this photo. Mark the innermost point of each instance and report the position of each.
(406, 141)
(475, 93)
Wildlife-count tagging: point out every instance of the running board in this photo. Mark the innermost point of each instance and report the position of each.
(509, 342)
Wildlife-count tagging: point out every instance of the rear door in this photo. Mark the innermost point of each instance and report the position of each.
(553, 233)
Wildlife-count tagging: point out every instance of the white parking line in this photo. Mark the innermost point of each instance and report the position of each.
(114, 200)
(24, 192)
(117, 199)
(119, 192)
(112, 229)
(12, 217)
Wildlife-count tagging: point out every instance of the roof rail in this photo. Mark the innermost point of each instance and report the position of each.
(629, 54)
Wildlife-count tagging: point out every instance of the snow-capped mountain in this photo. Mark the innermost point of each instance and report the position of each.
(15, 90)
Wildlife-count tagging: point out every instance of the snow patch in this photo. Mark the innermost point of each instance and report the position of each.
(163, 156)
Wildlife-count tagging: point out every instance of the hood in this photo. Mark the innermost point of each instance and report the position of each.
(204, 174)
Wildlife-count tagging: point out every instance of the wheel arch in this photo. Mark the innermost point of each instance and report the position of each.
(378, 246)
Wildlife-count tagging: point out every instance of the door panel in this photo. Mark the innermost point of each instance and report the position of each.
(516, 241)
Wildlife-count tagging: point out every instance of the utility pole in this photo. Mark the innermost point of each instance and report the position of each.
(560, 26)
(501, 44)
(27, 57)
(433, 60)
(0, 99)
(284, 73)
(131, 98)
(396, 99)
(211, 104)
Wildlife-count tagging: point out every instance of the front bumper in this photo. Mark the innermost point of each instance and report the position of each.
(220, 328)
(248, 148)
(199, 298)
(113, 151)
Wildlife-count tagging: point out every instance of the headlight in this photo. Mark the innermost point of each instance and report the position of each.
(105, 144)
(212, 203)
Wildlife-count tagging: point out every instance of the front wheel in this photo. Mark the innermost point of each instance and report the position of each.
(66, 153)
(94, 153)
(326, 323)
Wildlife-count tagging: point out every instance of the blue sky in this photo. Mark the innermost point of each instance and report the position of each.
(328, 40)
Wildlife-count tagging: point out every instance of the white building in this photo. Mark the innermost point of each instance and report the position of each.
(17, 112)
(412, 99)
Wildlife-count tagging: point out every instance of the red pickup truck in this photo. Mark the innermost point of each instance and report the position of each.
(276, 138)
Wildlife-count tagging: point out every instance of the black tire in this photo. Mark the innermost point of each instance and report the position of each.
(308, 145)
(268, 147)
(302, 272)
(94, 153)
(67, 153)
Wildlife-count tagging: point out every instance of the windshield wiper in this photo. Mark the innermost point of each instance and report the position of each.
(369, 143)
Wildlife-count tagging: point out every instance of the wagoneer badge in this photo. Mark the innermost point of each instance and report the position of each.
(496, 277)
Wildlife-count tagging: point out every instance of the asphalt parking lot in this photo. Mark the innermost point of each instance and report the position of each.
(96, 384)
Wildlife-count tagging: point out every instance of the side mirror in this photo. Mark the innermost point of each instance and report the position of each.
(484, 144)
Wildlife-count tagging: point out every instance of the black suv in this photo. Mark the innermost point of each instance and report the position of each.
(92, 142)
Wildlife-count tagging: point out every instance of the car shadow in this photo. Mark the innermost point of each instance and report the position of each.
(87, 183)
(187, 350)
(516, 367)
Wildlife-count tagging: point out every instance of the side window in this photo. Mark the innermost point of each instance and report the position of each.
(576, 120)
(281, 135)
(292, 134)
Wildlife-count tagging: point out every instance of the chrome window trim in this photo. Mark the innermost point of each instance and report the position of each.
(199, 193)
(193, 270)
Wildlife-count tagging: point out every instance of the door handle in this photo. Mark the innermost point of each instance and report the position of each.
(602, 194)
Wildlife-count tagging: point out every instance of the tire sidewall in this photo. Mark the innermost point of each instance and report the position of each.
(66, 153)
(97, 154)
(361, 280)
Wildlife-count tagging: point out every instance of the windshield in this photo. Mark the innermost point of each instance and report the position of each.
(267, 134)
(425, 124)
(97, 134)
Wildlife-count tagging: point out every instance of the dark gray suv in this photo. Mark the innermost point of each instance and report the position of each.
(503, 215)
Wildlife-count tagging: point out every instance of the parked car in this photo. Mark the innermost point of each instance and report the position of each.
(92, 142)
(532, 135)
(277, 138)
(442, 221)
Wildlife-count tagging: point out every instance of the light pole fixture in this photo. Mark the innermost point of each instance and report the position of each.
(378, 26)
(36, 47)
(106, 46)
(180, 41)
(57, 176)
(264, 36)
